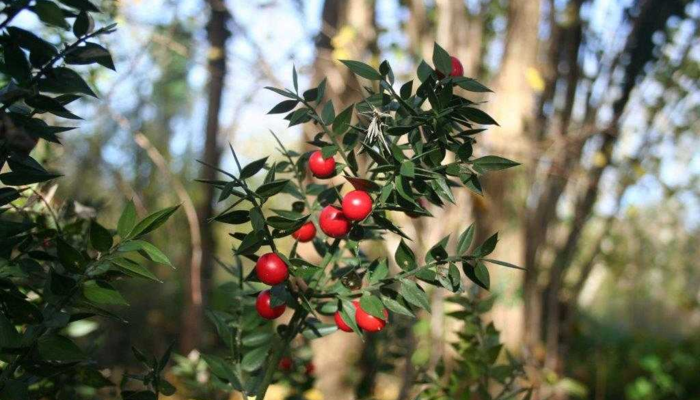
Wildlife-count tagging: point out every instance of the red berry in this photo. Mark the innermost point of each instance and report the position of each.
(310, 368)
(341, 324)
(369, 322)
(339, 319)
(320, 167)
(285, 364)
(333, 222)
(306, 233)
(457, 68)
(357, 205)
(271, 269)
(262, 304)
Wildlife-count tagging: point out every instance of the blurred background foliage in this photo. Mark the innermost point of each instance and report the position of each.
(597, 99)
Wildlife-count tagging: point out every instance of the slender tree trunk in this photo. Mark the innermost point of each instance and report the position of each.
(199, 282)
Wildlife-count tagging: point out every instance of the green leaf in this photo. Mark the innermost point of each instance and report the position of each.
(470, 84)
(250, 244)
(478, 116)
(235, 217)
(424, 71)
(406, 90)
(329, 151)
(272, 188)
(363, 184)
(283, 107)
(9, 337)
(127, 220)
(492, 163)
(503, 263)
(408, 169)
(257, 219)
(328, 113)
(134, 269)
(396, 307)
(221, 368)
(442, 60)
(59, 348)
(404, 257)
(347, 314)
(342, 120)
(64, 80)
(372, 305)
(254, 359)
(101, 292)
(152, 222)
(378, 271)
(253, 168)
(16, 62)
(90, 53)
(82, 24)
(487, 247)
(363, 70)
(146, 249)
(257, 338)
(100, 238)
(69, 257)
(414, 294)
(477, 274)
(295, 78)
(43, 103)
(317, 330)
(465, 239)
(51, 13)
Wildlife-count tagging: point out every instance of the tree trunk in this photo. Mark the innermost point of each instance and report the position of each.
(513, 107)
(199, 282)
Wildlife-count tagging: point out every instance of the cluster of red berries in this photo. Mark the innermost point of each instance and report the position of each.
(365, 321)
(334, 221)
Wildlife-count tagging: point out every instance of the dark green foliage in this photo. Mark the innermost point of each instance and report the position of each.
(58, 267)
(481, 366)
(419, 144)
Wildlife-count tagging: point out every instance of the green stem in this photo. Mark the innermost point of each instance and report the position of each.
(328, 133)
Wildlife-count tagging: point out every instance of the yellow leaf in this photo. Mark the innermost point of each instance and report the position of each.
(313, 394)
(534, 79)
(599, 160)
(344, 37)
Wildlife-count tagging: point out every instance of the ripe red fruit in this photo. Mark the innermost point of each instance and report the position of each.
(285, 364)
(262, 304)
(341, 324)
(339, 319)
(369, 322)
(357, 205)
(271, 269)
(310, 368)
(320, 167)
(306, 233)
(457, 68)
(333, 222)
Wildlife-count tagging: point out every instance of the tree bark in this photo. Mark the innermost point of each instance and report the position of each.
(199, 282)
